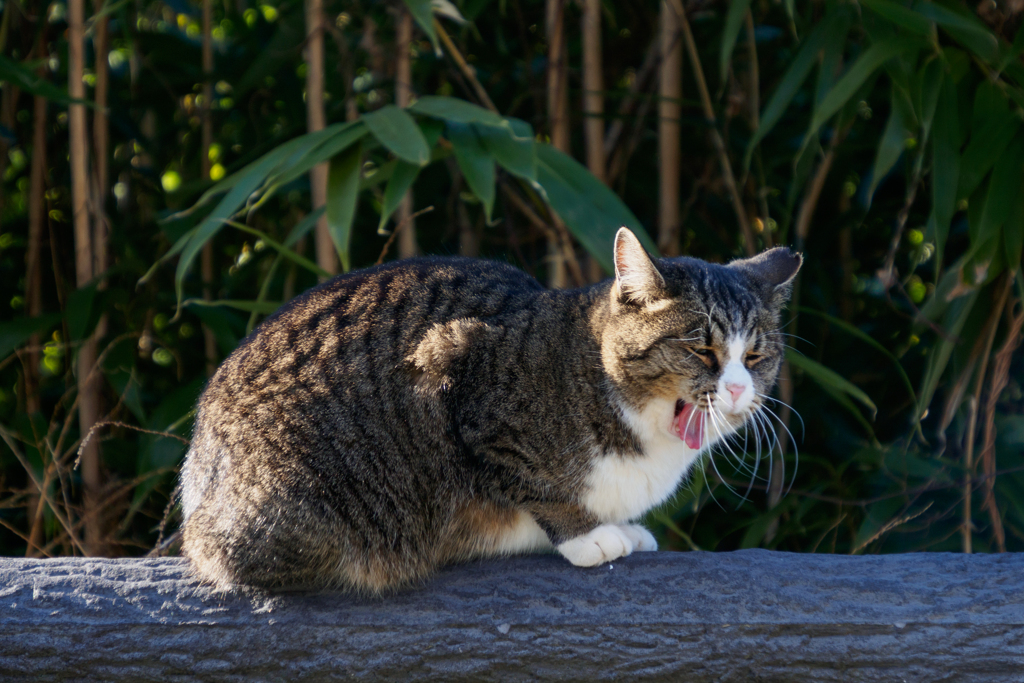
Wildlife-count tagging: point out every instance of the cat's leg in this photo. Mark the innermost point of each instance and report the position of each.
(580, 537)
(605, 543)
(641, 538)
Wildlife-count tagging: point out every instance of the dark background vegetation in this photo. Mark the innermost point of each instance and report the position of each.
(881, 138)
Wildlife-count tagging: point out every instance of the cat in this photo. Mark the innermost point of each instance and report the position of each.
(433, 410)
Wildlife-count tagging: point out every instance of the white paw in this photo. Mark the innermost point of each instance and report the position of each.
(641, 538)
(605, 543)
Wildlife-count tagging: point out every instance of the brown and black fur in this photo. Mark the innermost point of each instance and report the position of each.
(400, 418)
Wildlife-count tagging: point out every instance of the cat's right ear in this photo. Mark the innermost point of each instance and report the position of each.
(776, 268)
(636, 277)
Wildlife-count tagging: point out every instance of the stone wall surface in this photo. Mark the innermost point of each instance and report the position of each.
(750, 615)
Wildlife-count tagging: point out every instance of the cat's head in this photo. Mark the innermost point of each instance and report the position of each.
(694, 348)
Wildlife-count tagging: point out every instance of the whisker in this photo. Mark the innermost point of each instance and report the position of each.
(803, 427)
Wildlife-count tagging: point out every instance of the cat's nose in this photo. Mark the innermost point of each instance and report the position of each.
(735, 390)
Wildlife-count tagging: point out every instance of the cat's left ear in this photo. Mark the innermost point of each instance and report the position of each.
(636, 277)
(776, 268)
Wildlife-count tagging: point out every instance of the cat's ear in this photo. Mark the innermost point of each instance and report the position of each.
(636, 277)
(776, 268)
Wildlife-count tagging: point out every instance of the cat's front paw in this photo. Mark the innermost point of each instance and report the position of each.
(641, 538)
(605, 543)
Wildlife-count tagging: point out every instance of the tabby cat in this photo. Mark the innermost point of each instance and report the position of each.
(432, 410)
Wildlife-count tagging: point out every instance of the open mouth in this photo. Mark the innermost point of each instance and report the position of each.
(689, 424)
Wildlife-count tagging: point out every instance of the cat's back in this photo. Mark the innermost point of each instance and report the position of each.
(370, 321)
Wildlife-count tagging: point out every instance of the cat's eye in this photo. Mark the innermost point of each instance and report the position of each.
(706, 354)
(753, 359)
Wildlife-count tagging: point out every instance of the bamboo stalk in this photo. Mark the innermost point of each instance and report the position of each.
(558, 113)
(88, 408)
(206, 259)
(101, 149)
(716, 137)
(403, 98)
(593, 105)
(593, 88)
(316, 120)
(34, 279)
(670, 93)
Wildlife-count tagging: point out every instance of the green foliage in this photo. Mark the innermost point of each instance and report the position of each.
(907, 118)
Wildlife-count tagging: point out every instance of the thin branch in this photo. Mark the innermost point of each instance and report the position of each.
(398, 228)
(652, 60)
(1002, 291)
(556, 235)
(1000, 378)
(30, 471)
(465, 68)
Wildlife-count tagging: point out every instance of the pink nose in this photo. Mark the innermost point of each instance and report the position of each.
(736, 390)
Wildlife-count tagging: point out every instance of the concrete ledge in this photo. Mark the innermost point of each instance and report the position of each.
(748, 615)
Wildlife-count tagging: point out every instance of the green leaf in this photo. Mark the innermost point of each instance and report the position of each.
(945, 164)
(1014, 51)
(341, 137)
(893, 141)
(1003, 191)
(265, 307)
(511, 146)
(218, 321)
(423, 14)
(397, 131)
(758, 527)
(901, 16)
(431, 129)
(455, 110)
(303, 227)
(14, 333)
(867, 339)
(795, 75)
(475, 162)
(28, 80)
(591, 211)
(342, 194)
(790, 6)
(212, 224)
(965, 29)
(831, 65)
(830, 379)
(733, 24)
(865, 66)
(245, 184)
(956, 313)
(401, 180)
(927, 87)
(282, 250)
(1013, 230)
(993, 126)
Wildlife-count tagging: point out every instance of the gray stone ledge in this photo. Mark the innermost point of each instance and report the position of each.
(740, 616)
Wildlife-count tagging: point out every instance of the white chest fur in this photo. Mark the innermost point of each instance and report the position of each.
(623, 487)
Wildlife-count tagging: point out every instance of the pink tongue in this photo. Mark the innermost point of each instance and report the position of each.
(690, 426)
